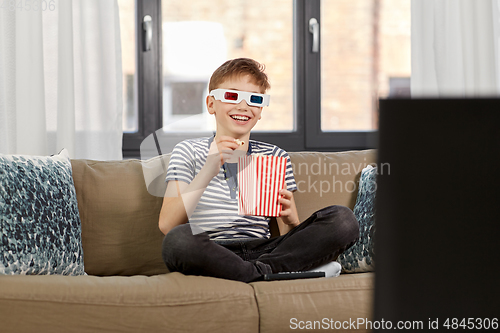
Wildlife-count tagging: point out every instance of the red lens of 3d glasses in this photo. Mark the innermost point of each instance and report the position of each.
(232, 96)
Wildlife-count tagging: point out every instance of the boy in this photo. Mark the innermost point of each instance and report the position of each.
(202, 190)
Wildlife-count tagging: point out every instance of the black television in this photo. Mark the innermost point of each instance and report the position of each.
(437, 239)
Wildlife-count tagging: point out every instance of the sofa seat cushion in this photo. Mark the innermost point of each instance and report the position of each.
(288, 305)
(163, 303)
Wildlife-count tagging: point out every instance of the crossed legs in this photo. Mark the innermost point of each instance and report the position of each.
(318, 240)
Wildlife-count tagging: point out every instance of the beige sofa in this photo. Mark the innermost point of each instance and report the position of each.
(128, 288)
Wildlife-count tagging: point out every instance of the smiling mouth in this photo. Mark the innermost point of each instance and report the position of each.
(240, 118)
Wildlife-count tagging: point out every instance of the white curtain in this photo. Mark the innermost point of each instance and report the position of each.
(61, 79)
(455, 48)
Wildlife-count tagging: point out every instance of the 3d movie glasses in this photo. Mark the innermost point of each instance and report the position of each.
(236, 96)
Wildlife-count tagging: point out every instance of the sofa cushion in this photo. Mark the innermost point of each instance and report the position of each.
(325, 178)
(39, 221)
(120, 231)
(360, 257)
(287, 306)
(163, 303)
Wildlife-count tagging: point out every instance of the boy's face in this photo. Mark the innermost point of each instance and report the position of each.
(235, 120)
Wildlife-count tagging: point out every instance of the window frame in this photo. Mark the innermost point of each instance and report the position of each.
(148, 79)
(307, 135)
(315, 137)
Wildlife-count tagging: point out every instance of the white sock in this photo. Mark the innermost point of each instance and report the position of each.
(331, 269)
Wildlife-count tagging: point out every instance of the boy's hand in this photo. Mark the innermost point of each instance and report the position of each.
(221, 150)
(288, 214)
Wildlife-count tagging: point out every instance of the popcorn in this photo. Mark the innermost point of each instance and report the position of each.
(239, 142)
(260, 178)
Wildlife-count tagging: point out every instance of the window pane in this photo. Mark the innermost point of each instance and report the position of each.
(365, 55)
(127, 30)
(200, 35)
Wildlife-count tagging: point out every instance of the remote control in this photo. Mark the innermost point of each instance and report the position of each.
(293, 275)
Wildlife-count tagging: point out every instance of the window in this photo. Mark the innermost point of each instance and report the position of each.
(199, 35)
(325, 100)
(128, 41)
(365, 47)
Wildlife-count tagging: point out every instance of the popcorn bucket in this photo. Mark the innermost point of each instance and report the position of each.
(260, 178)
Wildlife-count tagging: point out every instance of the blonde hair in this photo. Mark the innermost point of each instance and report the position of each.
(239, 67)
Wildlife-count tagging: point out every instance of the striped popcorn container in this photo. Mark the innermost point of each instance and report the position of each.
(260, 178)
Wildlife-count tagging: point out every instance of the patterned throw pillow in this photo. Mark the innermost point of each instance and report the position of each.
(360, 257)
(40, 230)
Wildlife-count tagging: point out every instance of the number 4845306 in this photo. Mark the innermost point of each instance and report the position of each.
(471, 323)
(28, 5)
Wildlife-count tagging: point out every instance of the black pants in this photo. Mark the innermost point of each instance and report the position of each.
(316, 241)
